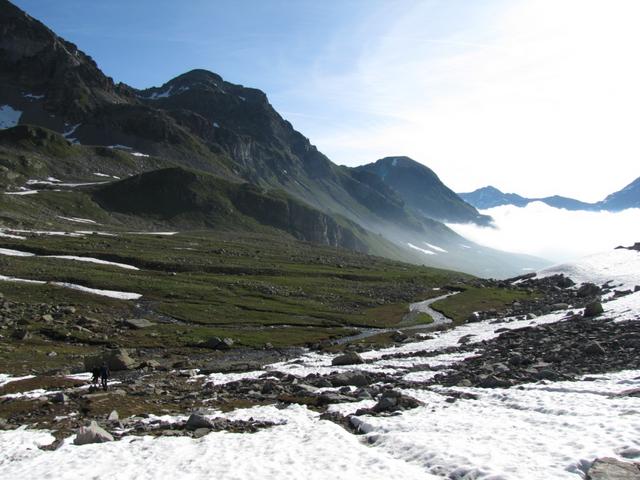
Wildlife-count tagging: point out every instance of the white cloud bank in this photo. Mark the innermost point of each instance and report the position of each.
(552, 233)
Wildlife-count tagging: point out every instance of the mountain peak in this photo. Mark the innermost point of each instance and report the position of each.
(420, 187)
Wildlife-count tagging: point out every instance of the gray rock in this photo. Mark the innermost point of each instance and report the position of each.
(59, 398)
(588, 290)
(594, 348)
(357, 379)
(196, 421)
(349, 358)
(92, 434)
(593, 309)
(217, 343)
(118, 359)
(560, 306)
(399, 336)
(201, 432)
(113, 416)
(463, 340)
(138, 323)
(612, 469)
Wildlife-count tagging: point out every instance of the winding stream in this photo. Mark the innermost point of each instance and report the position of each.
(418, 307)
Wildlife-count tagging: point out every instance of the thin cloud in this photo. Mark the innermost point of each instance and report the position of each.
(522, 95)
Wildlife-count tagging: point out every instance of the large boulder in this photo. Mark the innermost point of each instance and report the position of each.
(196, 421)
(138, 323)
(393, 401)
(117, 359)
(217, 343)
(357, 379)
(593, 309)
(588, 290)
(349, 358)
(612, 469)
(92, 434)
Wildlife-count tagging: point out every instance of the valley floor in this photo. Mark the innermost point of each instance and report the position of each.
(551, 428)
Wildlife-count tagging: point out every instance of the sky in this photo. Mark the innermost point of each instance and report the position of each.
(536, 97)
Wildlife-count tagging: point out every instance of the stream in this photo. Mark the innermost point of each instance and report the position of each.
(418, 307)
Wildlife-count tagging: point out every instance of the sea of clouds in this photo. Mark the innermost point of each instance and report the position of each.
(552, 233)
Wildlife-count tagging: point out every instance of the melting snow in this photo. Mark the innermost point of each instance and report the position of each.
(621, 266)
(32, 96)
(435, 247)
(9, 117)
(98, 174)
(18, 253)
(22, 192)
(78, 220)
(156, 95)
(423, 250)
(73, 286)
(15, 237)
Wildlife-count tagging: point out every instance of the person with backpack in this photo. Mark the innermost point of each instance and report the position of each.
(104, 375)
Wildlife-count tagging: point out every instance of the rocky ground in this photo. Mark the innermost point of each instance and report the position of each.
(142, 389)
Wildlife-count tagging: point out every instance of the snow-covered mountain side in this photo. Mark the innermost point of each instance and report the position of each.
(619, 268)
(520, 396)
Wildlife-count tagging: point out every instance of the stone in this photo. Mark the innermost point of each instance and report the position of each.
(594, 348)
(118, 359)
(588, 290)
(612, 469)
(152, 364)
(92, 434)
(349, 358)
(59, 398)
(20, 334)
(593, 309)
(474, 317)
(399, 336)
(559, 306)
(463, 340)
(113, 416)
(138, 323)
(357, 379)
(196, 421)
(217, 343)
(201, 432)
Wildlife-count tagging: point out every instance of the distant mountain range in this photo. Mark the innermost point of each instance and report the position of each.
(220, 151)
(489, 197)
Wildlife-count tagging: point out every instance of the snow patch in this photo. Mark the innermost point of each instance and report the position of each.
(9, 117)
(423, 250)
(620, 266)
(78, 220)
(435, 247)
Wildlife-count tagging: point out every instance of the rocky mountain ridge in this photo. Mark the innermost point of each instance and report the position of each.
(489, 197)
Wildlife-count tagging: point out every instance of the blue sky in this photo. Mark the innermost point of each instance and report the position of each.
(538, 97)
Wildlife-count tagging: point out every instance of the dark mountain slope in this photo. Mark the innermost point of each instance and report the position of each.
(192, 199)
(422, 190)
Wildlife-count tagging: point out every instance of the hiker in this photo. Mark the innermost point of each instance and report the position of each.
(104, 375)
(95, 371)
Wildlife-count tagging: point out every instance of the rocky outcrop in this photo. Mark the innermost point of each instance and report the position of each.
(349, 358)
(92, 434)
(612, 469)
(118, 359)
